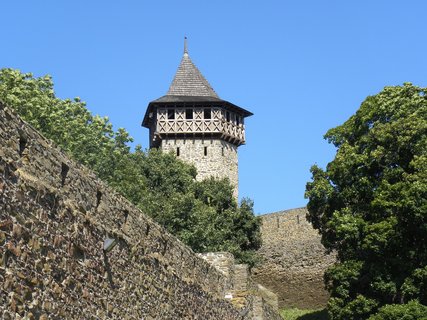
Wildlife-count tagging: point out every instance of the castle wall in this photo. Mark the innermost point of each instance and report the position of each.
(294, 260)
(222, 261)
(56, 218)
(220, 160)
(253, 300)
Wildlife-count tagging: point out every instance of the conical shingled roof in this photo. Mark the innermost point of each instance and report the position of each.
(189, 86)
(189, 81)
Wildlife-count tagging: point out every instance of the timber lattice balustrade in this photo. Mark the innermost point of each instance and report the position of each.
(230, 125)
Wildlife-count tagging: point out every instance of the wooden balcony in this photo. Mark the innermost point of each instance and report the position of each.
(227, 130)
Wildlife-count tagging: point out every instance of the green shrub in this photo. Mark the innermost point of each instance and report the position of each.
(412, 310)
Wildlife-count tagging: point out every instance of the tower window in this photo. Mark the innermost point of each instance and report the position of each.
(227, 116)
(189, 114)
(207, 113)
(222, 151)
(177, 151)
(237, 120)
(171, 114)
(206, 151)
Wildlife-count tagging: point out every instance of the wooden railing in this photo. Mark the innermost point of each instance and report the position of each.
(175, 126)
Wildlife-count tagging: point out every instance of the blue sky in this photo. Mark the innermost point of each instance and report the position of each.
(301, 67)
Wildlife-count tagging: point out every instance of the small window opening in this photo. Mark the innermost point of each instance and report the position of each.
(206, 151)
(126, 215)
(98, 198)
(165, 247)
(147, 231)
(22, 145)
(64, 172)
(207, 114)
(237, 120)
(189, 114)
(227, 115)
(78, 252)
(171, 114)
(222, 151)
(177, 151)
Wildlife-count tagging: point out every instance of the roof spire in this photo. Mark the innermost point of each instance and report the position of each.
(185, 46)
(188, 80)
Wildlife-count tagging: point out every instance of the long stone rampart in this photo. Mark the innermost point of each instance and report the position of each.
(294, 260)
(72, 248)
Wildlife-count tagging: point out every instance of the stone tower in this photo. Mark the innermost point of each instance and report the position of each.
(195, 124)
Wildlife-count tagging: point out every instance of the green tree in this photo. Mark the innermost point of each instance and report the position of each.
(169, 198)
(88, 139)
(370, 204)
(203, 215)
(221, 225)
(412, 310)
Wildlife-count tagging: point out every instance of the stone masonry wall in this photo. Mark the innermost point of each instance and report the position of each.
(221, 160)
(294, 260)
(222, 261)
(253, 300)
(55, 216)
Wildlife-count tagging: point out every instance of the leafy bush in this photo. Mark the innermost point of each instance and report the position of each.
(412, 310)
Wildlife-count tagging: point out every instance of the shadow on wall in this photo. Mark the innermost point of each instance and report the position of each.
(316, 315)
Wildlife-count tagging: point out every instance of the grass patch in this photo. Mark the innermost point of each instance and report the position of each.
(298, 314)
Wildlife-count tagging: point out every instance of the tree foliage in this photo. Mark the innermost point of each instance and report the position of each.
(370, 204)
(202, 214)
(413, 310)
